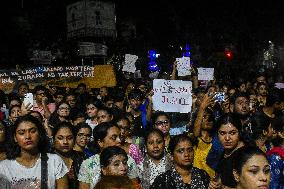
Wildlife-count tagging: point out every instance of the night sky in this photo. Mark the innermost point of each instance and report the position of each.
(248, 25)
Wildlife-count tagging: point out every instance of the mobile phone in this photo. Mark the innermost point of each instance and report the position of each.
(219, 97)
(29, 99)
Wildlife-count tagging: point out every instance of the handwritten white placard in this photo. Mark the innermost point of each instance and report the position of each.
(206, 74)
(183, 66)
(129, 65)
(172, 95)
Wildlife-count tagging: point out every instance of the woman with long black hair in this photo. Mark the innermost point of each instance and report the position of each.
(28, 165)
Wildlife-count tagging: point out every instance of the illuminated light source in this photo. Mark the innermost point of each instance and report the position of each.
(152, 65)
(228, 53)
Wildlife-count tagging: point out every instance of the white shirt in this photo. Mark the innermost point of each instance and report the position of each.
(22, 177)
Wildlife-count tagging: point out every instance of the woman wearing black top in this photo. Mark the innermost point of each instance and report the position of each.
(182, 175)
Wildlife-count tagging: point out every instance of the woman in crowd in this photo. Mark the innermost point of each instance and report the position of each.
(83, 133)
(229, 134)
(63, 146)
(183, 175)
(203, 131)
(61, 114)
(156, 160)
(127, 140)
(162, 121)
(93, 106)
(14, 113)
(113, 161)
(258, 131)
(251, 169)
(27, 162)
(3, 140)
(105, 135)
(104, 115)
(276, 155)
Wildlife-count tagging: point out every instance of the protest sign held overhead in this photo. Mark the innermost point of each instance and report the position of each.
(206, 74)
(172, 95)
(129, 64)
(183, 66)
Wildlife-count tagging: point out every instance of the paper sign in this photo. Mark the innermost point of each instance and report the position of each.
(172, 95)
(206, 74)
(279, 85)
(183, 66)
(129, 65)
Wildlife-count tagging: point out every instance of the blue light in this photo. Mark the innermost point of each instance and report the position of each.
(187, 48)
(152, 55)
(153, 66)
(186, 52)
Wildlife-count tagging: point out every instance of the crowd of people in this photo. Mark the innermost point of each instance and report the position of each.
(112, 137)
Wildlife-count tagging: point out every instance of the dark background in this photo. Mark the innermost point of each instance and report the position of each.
(160, 24)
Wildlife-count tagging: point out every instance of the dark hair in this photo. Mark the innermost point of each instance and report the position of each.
(39, 88)
(253, 129)
(97, 103)
(158, 114)
(107, 110)
(12, 107)
(14, 97)
(23, 84)
(278, 126)
(41, 117)
(229, 118)
(14, 149)
(109, 152)
(238, 95)
(261, 83)
(3, 144)
(107, 182)
(99, 133)
(153, 131)
(61, 125)
(136, 94)
(243, 155)
(82, 85)
(54, 117)
(273, 97)
(76, 113)
(81, 126)
(178, 139)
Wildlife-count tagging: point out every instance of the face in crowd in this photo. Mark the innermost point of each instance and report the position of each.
(229, 136)
(22, 90)
(251, 170)
(104, 116)
(163, 124)
(241, 106)
(111, 139)
(155, 145)
(64, 140)
(27, 136)
(63, 110)
(83, 137)
(113, 161)
(71, 100)
(183, 154)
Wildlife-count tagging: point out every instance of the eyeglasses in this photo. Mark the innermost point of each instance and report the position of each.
(161, 123)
